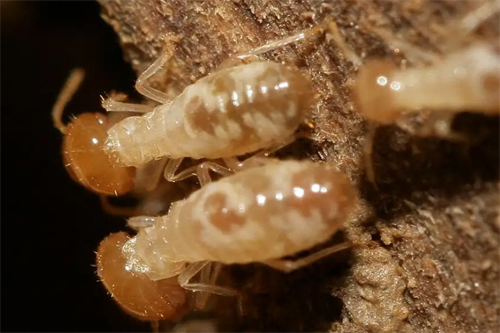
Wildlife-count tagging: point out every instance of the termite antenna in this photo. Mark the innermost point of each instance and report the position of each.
(72, 83)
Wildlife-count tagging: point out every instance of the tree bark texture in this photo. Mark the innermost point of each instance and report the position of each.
(435, 214)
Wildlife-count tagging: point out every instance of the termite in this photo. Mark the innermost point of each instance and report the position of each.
(83, 139)
(260, 214)
(231, 112)
(466, 79)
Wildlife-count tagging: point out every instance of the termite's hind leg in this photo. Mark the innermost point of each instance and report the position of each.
(290, 265)
(140, 222)
(149, 91)
(208, 276)
(259, 159)
(70, 87)
(440, 124)
(194, 269)
(201, 171)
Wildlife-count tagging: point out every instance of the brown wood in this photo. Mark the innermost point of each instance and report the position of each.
(435, 214)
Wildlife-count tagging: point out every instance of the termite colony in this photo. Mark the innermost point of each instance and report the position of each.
(256, 108)
(261, 209)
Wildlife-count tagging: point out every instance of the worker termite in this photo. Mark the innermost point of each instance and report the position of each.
(234, 111)
(465, 79)
(82, 145)
(260, 214)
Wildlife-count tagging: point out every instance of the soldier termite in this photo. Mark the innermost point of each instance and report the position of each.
(465, 79)
(234, 111)
(260, 214)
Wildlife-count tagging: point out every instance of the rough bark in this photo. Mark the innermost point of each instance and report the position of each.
(435, 213)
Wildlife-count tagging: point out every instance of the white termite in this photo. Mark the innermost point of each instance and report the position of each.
(234, 111)
(258, 215)
(462, 79)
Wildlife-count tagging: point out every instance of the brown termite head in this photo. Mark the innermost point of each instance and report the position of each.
(82, 147)
(373, 92)
(131, 288)
(86, 161)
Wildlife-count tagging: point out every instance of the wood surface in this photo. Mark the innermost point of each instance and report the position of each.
(435, 213)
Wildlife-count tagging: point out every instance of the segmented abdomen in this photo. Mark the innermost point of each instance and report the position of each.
(245, 108)
(260, 214)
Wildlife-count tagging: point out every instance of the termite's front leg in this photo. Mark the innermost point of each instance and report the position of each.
(291, 265)
(149, 91)
(191, 271)
(201, 171)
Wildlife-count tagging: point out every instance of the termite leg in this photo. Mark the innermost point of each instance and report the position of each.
(201, 171)
(70, 87)
(148, 176)
(268, 47)
(439, 123)
(347, 51)
(115, 210)
(194, 269)
(151, 92)
(140, 222)
(259, 158)
(466, 24)
(290, 265)
(208, 276)
(110, 105)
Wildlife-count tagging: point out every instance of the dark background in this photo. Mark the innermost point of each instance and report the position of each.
(50, 225)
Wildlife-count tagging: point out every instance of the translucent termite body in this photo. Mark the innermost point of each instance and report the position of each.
(257, 215)
(466, 80)
(229, 113)
(236, 110)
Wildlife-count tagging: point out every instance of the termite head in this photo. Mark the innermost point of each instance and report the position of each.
(374, 92)
(130, 286)
(86, 160)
